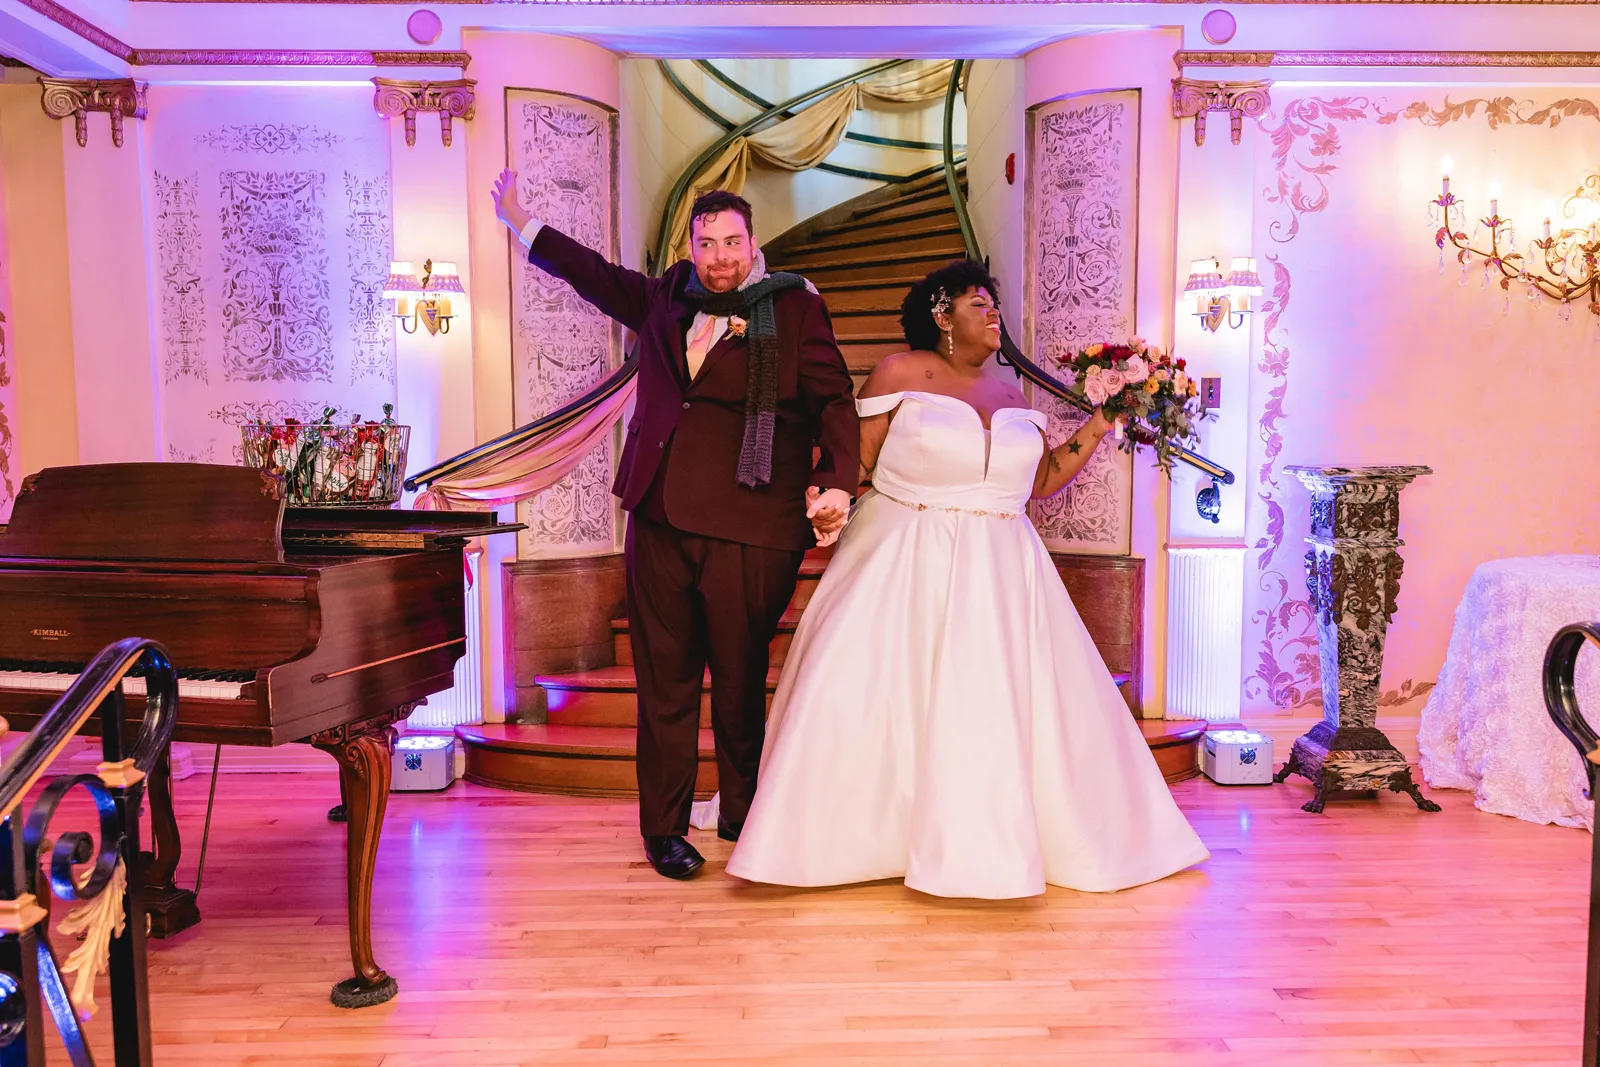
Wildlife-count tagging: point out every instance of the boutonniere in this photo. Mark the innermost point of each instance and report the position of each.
(736, 325)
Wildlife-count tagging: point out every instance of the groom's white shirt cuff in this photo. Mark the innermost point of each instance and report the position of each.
(529, 232)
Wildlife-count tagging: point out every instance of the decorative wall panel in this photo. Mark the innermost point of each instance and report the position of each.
(9, 476)
(565, 150)
(1082, 209)
(273, 236)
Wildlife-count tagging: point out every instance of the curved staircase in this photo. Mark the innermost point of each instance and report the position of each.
(861, 256)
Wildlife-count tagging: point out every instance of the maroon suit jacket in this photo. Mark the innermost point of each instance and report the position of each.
(689, 433)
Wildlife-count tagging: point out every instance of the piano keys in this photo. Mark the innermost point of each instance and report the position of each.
(316, 625)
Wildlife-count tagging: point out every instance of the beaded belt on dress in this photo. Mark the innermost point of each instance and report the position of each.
(980, 512)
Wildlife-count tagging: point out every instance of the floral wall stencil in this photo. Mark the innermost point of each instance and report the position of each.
(1376, 350)
(565, 150)
(1082, 197)
(273, 234)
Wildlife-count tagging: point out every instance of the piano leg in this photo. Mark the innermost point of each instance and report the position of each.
(362, 751)
(170, 909)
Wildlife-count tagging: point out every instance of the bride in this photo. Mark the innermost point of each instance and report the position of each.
(943, 715)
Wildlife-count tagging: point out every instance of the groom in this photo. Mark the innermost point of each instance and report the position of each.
(740, 378)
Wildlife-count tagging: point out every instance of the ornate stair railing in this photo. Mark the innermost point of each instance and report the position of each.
(1010, 353)
(1561, 701)
(108, 909)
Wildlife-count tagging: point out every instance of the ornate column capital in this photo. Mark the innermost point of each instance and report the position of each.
(118, 97)
(451, 99)
(1192, 99)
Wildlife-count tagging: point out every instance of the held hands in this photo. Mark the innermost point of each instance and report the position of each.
(507, 206)
(828, 511)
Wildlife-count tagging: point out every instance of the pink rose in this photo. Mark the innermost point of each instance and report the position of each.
(1094, 387)
(1113, 380)
(1136, 371)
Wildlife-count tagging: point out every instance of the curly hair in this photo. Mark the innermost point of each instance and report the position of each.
(955, 278)
(717, 201)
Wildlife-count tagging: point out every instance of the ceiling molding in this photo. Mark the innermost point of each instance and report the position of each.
(234, 57)
(1387, 59)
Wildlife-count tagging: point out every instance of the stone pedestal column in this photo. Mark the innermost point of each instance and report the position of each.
(1353, 576)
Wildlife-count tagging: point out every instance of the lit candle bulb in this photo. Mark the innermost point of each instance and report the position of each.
(1547, 229)
(1446, 164)
(1494, 200)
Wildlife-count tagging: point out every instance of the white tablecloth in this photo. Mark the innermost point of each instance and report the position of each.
(1485, 727)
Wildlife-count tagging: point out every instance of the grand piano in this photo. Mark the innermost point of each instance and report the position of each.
(317, 625)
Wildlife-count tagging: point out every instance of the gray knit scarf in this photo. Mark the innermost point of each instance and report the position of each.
(754, 303)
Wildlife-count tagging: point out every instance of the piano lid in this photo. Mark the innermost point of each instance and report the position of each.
(147, 511)
(207, 512)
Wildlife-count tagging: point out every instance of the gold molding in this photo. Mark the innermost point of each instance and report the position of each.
(1386, 59)
(118, 97)
(21, 913)
(1193, 99)
(451, 99)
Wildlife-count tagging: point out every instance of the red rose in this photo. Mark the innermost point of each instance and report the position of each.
(1180, 364)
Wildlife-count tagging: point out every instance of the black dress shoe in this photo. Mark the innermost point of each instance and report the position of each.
(673, 857)
(728, 833)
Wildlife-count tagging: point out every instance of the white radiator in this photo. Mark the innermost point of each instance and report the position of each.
(1205, 631)
(462, 703)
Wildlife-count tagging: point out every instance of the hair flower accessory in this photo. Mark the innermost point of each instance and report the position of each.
(940, 302)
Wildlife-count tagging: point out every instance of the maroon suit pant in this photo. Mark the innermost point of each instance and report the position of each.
(692, 602)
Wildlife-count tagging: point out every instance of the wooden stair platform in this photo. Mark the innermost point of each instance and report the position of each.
(597, 761)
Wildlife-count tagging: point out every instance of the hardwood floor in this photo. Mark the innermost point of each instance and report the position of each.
(528, 929)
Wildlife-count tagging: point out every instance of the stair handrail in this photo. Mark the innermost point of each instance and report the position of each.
(1011, 353)
(30, 974)
(663, 257)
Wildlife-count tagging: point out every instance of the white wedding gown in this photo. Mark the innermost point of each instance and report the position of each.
(943, 715)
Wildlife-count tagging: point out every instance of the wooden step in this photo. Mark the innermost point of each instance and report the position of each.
(859, 359)
(883, 299)
(778, 652)
(599, 761)
(935, 232)
(572, 761)
(835, 264)
(884, 322)
(886, 221)
(907, 203)
(609, 696)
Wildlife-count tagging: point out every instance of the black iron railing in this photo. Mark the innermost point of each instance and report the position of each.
(1561, 701)
(96, 871)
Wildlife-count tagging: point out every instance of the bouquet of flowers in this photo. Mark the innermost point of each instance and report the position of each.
(1138, 381)
(361, 464)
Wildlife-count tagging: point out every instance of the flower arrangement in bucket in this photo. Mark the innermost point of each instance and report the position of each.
(1138, 381)
(328, 464)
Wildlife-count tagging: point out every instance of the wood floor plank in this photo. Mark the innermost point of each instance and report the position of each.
(526, 929)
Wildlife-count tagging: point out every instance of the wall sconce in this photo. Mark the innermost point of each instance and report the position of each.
(1219, 299)
(431, 293)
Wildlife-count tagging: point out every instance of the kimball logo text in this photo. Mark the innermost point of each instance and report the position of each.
(51, 635)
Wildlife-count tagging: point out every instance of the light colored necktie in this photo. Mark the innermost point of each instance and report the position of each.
(699, 345)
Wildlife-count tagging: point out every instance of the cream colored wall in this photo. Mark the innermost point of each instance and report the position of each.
(996, 117)
(40, 339)
(1138, 59)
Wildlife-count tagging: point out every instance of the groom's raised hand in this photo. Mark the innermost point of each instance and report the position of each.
(828, 511)
(507, 205)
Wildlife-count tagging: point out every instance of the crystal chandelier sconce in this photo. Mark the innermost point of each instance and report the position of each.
(1560, 265)
(424, 300)
(1220, 299)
